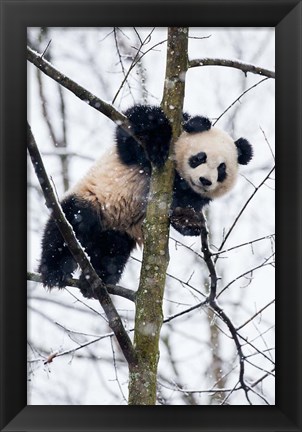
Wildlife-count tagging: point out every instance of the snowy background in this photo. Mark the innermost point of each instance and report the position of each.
(197, 353)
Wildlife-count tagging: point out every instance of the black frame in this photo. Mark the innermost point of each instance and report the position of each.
(286, 16)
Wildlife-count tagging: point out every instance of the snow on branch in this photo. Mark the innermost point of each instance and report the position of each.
(237, 64)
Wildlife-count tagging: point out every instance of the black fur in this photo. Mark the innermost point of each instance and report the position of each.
(185, 198)
(222, 175)
(108, 250)
(187, 221)
(152, 127)
(186, 207)
(197, 124)
(245, 151)
(197, 159)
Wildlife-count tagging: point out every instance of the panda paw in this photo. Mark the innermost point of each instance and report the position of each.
(55, 279)
(187, 221)
(85, 287)
(157, 153)
(153, 128)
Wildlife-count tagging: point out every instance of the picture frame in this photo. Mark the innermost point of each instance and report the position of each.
(285, 16)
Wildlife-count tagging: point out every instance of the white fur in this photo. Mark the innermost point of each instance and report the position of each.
(120, 191)
(219, 147)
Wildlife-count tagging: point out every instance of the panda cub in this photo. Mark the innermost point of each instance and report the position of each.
(107, 207)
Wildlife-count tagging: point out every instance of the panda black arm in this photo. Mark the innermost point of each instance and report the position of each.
(184, 196)
(186, 208)
(152, 127)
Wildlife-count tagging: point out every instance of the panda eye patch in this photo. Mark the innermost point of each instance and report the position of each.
(197, 160)
(221, 172)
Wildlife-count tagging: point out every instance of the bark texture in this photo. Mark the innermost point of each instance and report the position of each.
(149, 316)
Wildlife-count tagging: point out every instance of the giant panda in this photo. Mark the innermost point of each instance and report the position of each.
(107, 206)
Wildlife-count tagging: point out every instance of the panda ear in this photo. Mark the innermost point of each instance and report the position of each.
(245, 151)
(196, 124)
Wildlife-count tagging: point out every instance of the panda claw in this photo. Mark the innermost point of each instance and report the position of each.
(55, 279)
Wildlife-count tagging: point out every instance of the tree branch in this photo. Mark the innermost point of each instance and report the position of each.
(149, 315)
(98, 287)
(211, 300)
(75, 283)
(244, 67)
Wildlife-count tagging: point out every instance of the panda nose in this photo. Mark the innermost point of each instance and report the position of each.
(204, 181)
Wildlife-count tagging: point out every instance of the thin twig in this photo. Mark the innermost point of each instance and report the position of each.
(238, 99)
(44, 52)
(244, 274)
(242, 210)
(270, 236)
(121, 63)
(115, 371)
(134, 62)
(267, 142)
(255, 315)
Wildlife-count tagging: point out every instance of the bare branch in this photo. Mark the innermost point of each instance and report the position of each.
(255, 315)
(135, 60)
(122, 66)
(211, 391)
(244, 67)
(75, 283)
(269, 373)
(107, 109)
(267, 142)
(186, 311)
(207, 254)
(270, 236)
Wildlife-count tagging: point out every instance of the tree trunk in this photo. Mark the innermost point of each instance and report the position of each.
(149, 316)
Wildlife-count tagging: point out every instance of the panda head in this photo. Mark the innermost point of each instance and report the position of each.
(208, 158)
